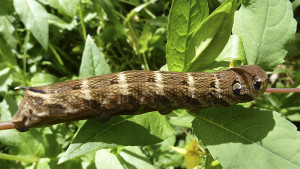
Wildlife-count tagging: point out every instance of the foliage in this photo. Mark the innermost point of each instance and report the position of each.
(47, 41)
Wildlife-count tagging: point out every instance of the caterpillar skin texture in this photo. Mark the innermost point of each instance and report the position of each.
(135, 92)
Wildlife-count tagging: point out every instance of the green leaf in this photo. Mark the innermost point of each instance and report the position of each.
(184, 18)
(294, 47)
(21, 145)
(5, 80)
(42, 79)
(65, 6)
(210, 38)
(109, 10)
(7, 58)
(6, 7)
(93, 62)
(28, 144)
(254, 137)
(234, 50)
(295, 4)
(144, 38)
(105, 159)
(129, 157)
(34, 17)
(43, 164)
(7, 31)
(5, 113)
(133, 156)
(138, 130)
(181, 118)
(270, 25)
(52, 19)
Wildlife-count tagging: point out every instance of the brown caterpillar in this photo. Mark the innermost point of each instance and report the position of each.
(135, 92)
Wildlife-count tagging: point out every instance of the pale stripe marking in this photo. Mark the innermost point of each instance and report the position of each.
(86, 92)
(123, 83)
(218, 89)
(45, 97)
(159, 83)
(191, 87)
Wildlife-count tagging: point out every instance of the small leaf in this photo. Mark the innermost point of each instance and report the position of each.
(144, 129)
(41, 79)
(109, 10)
(52, 19)
(43, 163)
(5, 80)
(270, 25)
(65, 6)
(210, 38)
(144, 38)
(105, 159)
(254, 137)
(128, 157)
(234, 50)
(93, 62)
(184, 18)
(34, 17)
(133, 156)
(181, 118)
(7, 31)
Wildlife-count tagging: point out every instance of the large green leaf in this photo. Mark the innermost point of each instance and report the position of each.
(257, 138)
(34, 17)
(265, 27)
(184, 18)
(210, 38)
(139, 130)
(93, 62)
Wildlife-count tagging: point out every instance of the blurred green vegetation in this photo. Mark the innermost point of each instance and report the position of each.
(47, 41)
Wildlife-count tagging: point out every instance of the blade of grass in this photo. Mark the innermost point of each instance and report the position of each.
(82, 21)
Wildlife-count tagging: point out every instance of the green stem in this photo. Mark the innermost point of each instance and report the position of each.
(18, 158)
(82, 22)
(56, 54)
(145, 61)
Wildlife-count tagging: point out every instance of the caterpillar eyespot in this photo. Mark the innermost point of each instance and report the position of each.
(256, 82)
(236, 88)
(136, 92)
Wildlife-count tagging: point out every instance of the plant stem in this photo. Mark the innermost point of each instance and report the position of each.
(82, 22)
(18, 158)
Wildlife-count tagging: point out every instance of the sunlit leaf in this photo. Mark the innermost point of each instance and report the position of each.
(144, 129)
(93, 62)
(253, 136)
(184, 18)
(34, 17)
(270, 25)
